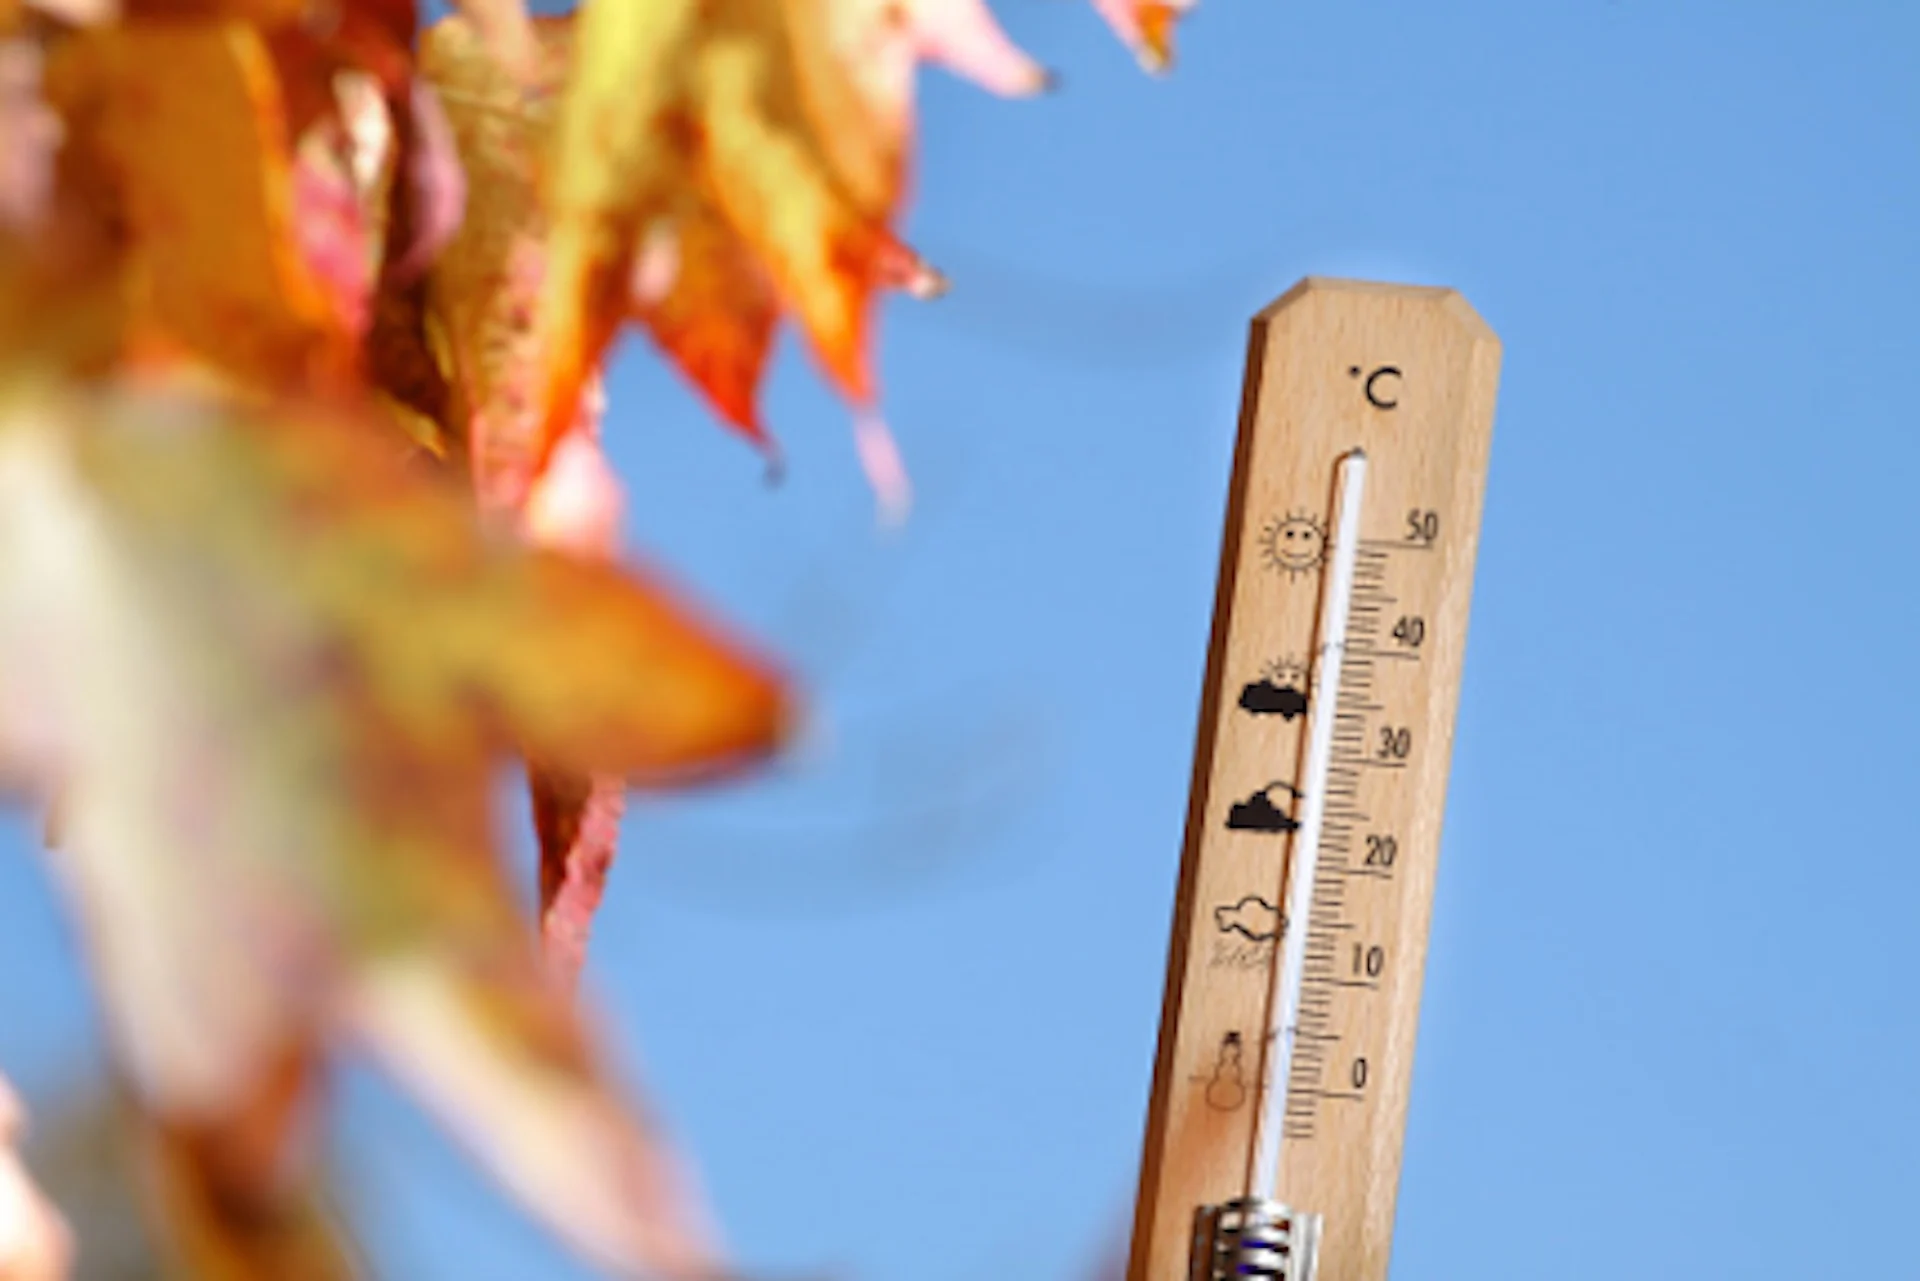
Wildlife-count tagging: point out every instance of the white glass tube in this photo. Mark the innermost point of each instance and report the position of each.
(1284, 1000)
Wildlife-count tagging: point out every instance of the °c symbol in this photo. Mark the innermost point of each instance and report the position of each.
(1382, 385)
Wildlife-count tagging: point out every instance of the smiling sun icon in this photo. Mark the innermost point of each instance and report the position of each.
(1294, 544)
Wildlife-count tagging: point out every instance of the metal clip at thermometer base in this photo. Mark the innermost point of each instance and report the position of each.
(1254, 1239)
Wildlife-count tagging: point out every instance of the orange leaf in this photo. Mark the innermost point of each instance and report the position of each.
(713, 315)
(1146, 26)
(236, 1189)
(716, 321)
(483, 289)
(177, 145)
(745, 103)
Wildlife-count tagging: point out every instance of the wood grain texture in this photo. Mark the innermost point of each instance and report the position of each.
(1408, 374)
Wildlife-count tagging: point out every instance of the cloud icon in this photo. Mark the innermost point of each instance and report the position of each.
(1252, 916)
(1264, 698)
(1258, 813)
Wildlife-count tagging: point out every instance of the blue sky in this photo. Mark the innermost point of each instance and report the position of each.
(901, 999)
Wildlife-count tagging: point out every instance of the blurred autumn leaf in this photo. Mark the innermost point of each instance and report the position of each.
(81, 1149)
(273, 275)
(89, 1148)
(268, 670)
(35, 1241)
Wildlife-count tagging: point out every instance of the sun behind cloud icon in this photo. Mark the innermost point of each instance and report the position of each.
(1258, 813)
(1265, 698)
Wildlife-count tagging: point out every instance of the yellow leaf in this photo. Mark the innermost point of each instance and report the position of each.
(746, 104)
(714, 319)
(484, 283)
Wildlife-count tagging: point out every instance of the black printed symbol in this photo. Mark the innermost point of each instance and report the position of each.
(1227, 1087)
(1382, 386)
(1294, 544)
(1281, 691)
(1252, 917)
(1258, 813)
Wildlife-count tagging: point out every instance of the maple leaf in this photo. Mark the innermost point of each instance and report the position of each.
(744, 106)
(576, 505)
(269, 671)
(482, 285)
(178, 162)
(223, 186)
(482, 292)
(771, 140)
(481, 295)
(259, 673)
(700, 294)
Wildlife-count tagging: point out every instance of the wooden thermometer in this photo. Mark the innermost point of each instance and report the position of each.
(1300, 927)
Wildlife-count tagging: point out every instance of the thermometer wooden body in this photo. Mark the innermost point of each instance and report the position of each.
(1286, 1044)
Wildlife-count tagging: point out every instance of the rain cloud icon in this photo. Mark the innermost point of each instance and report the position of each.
(1252, 917)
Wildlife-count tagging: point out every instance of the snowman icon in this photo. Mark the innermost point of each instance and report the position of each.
(1227, 1088)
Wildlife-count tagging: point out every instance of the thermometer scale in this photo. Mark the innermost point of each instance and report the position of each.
(1306, 884)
